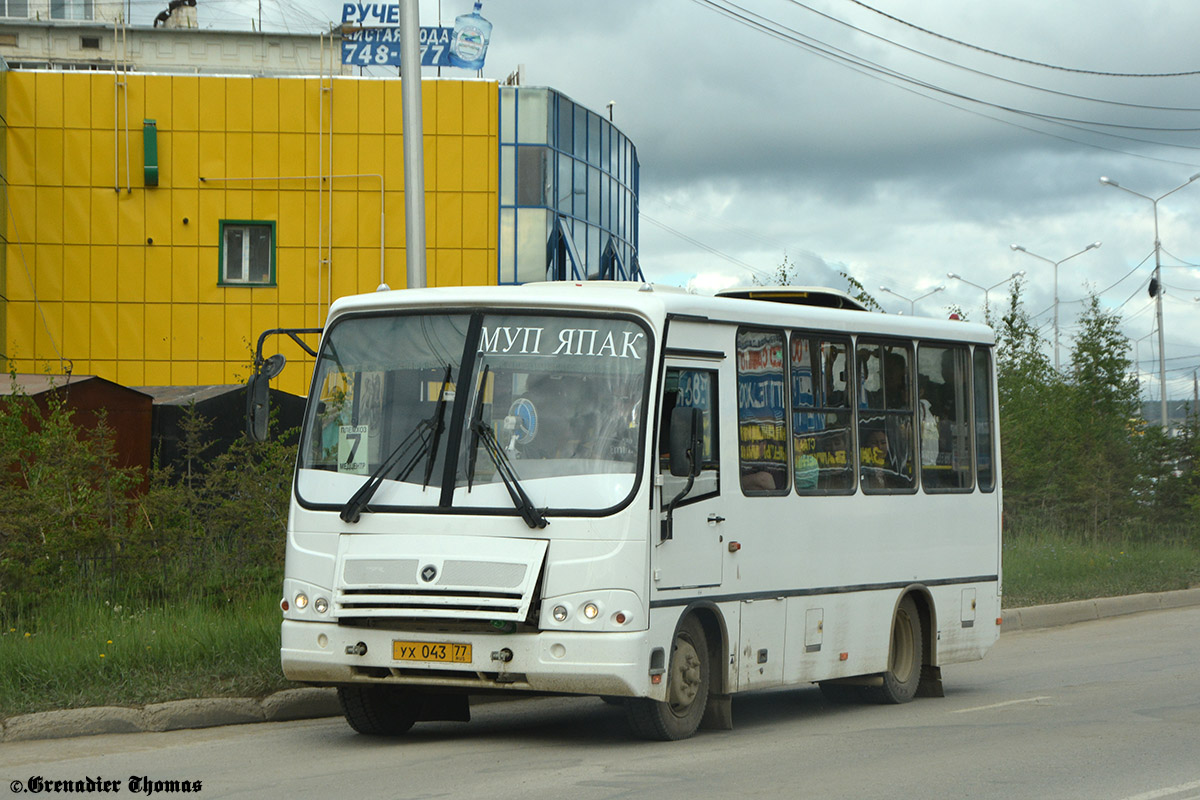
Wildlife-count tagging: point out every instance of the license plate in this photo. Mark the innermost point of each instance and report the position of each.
(437, 652)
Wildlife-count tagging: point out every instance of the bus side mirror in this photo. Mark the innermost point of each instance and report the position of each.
(258, 397)
(686, 442)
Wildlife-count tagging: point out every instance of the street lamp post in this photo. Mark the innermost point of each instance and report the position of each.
(1137, 353)
(986, 289)
(1157, 285)
(912, 302)
(1021, 249)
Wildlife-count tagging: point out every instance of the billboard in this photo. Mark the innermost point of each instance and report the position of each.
(371, 37)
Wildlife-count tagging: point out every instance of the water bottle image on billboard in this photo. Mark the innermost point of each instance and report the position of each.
(468, 47)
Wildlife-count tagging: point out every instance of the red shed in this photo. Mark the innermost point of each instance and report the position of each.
(129, 411)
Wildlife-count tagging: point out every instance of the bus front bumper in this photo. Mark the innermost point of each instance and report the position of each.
(606, 663)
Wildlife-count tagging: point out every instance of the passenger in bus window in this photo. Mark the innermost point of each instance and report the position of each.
(806, 466)
(834, 456)
(758, 481)
(896, 379)
(930, 432)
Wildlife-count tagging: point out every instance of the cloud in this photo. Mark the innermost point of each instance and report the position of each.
(752, 149)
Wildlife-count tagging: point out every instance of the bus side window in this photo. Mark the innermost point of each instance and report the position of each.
(943, 407)
(822, 434)
(984, 436)
(762, 421)
(691, 388)
(885, 417)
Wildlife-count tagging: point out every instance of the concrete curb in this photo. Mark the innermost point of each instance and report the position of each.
(172, 716)
(1051, 616)
(312, 703)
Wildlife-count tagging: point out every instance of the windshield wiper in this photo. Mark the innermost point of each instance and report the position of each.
(427, 433)
(472, 426)
(438, 426)
(481, 431)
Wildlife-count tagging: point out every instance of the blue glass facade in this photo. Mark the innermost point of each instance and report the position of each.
(568, 191)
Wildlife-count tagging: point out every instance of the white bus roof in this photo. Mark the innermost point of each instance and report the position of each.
(658, 302)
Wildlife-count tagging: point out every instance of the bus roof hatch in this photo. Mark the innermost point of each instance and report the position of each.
(797, 295)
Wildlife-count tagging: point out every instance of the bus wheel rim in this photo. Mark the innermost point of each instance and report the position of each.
(685, 679)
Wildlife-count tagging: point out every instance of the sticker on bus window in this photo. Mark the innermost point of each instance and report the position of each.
(522, 421)
(352, 449)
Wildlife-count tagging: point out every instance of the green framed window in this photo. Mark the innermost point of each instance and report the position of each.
(247, 253)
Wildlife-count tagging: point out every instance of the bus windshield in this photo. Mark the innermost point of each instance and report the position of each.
(554, 403)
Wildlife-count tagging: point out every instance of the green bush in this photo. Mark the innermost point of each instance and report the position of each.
(62, 498)
(71, 520)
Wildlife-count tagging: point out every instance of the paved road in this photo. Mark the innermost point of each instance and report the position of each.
(1105, 709)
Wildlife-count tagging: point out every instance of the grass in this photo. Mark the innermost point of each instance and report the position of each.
(80, 651)
(77, 651)
(1047, 567)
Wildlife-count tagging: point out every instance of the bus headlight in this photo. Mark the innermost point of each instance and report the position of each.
(301, 601)
(321, 605)
(593, 610)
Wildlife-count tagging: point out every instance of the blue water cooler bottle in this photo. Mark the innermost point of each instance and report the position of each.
(469, 43)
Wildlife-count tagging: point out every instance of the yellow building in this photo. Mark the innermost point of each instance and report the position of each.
(271, 197)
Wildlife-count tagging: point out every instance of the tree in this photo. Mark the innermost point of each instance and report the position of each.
(859, 292)
(1032, 406)
(1071, 443)
(1103, 419)
(782, 276)
(1100, 364)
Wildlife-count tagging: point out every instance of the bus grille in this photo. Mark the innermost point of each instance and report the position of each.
(462, 589)
(441, 604)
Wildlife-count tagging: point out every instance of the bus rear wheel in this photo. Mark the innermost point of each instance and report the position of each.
(687, 690)
(378, 710)
(906, 656)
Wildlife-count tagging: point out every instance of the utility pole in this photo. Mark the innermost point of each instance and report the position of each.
(1156, 287)
(414, 145)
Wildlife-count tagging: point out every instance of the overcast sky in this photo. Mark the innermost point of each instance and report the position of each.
(895, 140)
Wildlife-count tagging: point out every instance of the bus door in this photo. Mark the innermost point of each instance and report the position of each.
(689, 553)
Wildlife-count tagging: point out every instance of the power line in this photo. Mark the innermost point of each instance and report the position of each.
(1148, 306)
(1177, 258)
(895, 79)
(1002, 79)
(760, 273)
(1127, 299)
(1119, 281)
(724, 225)
(1018, 58)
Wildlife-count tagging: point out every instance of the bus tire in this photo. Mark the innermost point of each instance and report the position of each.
(378, 710)
(687, 690)
(906, 655)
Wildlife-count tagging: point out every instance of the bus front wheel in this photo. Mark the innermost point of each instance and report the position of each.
(378, 710)
(687, 690)
(905, 658)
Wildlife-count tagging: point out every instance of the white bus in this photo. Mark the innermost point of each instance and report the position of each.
(630, 491)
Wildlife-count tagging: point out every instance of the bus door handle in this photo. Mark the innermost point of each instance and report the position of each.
(713, 519)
